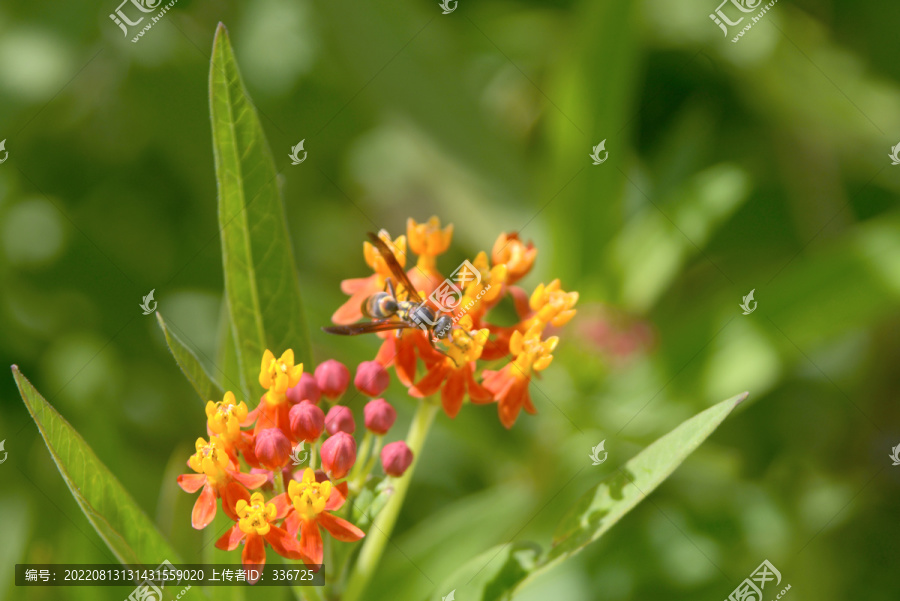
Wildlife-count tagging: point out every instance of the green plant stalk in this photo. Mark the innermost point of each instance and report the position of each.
(381, 528)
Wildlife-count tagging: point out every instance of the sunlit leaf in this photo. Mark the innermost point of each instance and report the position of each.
(499, 572)
(261, 285)
(207, 388)
(125, 528)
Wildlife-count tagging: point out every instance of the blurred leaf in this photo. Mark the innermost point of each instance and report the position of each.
(206, 387)
(226, 354)
(607, 502)
(493, 574)
(497, 573)
(261, 285)
(125, 528)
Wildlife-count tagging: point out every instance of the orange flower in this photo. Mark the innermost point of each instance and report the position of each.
(454, 374)
(510, 385)
(276, 376)
(480, 296)
(225, 418)
(219, 477)
(308, 505)
(255, 525)
(360, 289)
(518, 257)
(400, 351)
(552, 305)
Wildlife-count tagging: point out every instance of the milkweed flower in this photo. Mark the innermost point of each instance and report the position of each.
(427, 240)
(256, 527)
(225, 418)
(332, 378)
(338, 454)
(379, 416)
(309, 505)
(454, 374)
(360, 289)
(371, 378)
(396, 457)
(509, 386)
(276, 376)
(306, 390)
(219, 477)
(340, 419)
(307, 421)
(517, 256)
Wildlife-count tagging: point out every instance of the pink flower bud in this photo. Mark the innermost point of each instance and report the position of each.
(371, 378)
(340, 419)
(307, 421)
(380, 416)
(338, 454)
(396, 458)
(305, 390)
(273, 449)
(333, 377)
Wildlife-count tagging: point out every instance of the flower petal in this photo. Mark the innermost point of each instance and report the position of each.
(340, 528)
(311, 540)
(191, 482)
(254, 555)
(453, 392)
(204, 508)
(251, 481)
(231, 539)
(231, 494)
(284, 544)
(282, 505)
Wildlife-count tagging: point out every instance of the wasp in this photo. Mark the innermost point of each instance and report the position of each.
(389, 312)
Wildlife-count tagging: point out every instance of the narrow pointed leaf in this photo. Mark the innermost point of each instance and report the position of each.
(261, 284)
(498, 573)
(207, 388)
(120, 522)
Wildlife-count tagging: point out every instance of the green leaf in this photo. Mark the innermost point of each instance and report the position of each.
(203, 383)
(261, 285)
(605, 504)
(501, 571)
(125, 528)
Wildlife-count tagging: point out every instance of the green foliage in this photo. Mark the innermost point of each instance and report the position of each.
(119, 521)
(207, 388)
(499, 572)
(261, 285)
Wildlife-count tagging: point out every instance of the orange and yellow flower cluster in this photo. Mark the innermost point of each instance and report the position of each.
(453, 365)
(250, 457)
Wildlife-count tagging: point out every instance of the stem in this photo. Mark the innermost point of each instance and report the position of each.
(278, 481)
(381, 528)
(312, 456)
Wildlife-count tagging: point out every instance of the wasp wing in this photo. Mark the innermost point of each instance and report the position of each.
(356, 329)
(395, 267)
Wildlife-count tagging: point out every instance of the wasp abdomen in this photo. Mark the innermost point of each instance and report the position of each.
(380, 305)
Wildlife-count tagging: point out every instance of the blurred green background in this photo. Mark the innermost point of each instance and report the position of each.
(756, 165)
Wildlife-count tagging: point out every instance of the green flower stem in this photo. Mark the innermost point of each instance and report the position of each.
(361, 457)
(380, 530)
(312, 456)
